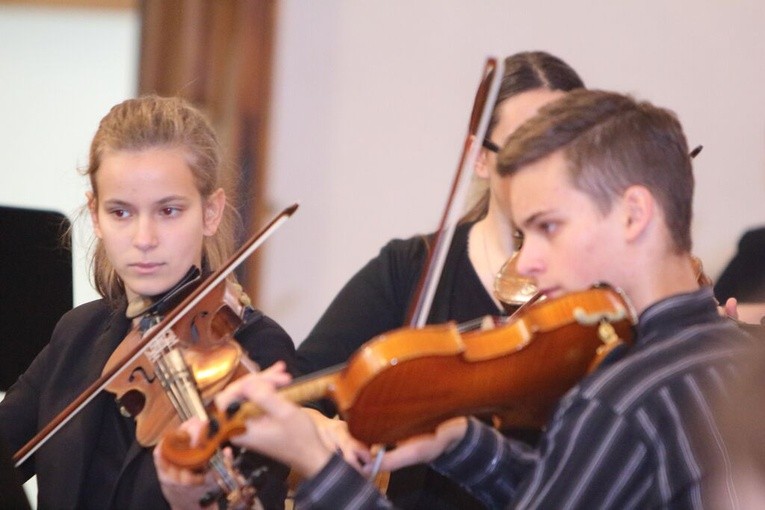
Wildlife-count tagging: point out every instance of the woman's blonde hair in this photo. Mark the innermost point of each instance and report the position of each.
(150, 122)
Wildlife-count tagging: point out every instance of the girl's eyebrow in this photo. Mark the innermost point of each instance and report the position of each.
(162, 201)
(115, 202)
(172, 198)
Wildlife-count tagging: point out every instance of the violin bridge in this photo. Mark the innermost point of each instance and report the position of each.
(161, 345)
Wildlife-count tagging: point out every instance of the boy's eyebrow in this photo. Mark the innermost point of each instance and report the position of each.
(530, 220)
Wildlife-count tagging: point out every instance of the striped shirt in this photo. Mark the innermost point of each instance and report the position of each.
(638, 433)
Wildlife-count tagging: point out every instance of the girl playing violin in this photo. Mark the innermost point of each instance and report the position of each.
(157, 209)
(377, 298)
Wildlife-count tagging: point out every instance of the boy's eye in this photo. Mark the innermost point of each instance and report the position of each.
(548, 227)
(517, 239)
(119, 213)
(169, 211)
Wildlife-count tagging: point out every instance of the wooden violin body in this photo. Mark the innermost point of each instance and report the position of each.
(197, 356)
(408, 381)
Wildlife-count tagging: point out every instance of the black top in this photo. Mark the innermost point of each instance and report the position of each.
(744, 276)
(11, 492)
(94, 460)
(376, 300)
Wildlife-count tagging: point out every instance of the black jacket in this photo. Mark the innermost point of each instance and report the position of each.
(83, 340)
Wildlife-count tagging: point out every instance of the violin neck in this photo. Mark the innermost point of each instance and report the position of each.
(305, 389)
(312, 387)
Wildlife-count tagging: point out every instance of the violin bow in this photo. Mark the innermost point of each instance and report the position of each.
(483, 105)
(480, 115)
(172, 317)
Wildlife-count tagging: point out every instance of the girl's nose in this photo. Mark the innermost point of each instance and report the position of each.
(145, 236)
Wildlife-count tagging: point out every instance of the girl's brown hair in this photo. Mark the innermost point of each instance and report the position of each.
(150, 122)
(528, 70)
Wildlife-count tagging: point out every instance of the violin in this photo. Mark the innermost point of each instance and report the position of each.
(408, 381)
(180, 372)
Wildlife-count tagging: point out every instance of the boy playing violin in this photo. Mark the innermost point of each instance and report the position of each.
(601, 187)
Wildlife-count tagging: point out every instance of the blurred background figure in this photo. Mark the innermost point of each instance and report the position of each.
(744, 277)
(740, 480)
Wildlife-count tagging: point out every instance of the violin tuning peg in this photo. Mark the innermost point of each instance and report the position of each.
(210, 498)
(257, 477)
(213, 427)
(233, 408)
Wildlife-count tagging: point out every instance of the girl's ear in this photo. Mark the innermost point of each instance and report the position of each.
(214, 206)
(93, 210)
(481, 168)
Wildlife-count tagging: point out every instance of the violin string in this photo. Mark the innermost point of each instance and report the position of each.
(158, 352)
(377, 462)
(175, 378)
(180, 387)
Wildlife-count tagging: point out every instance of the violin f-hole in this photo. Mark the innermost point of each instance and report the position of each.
(131, 403)
(149, 379)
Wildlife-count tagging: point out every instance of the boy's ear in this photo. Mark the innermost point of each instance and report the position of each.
(639, 209)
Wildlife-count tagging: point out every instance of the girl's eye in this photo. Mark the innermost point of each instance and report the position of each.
(119, 213)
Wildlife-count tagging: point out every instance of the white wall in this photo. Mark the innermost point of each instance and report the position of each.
(372, 98)
(60, 72)
(370, 105)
